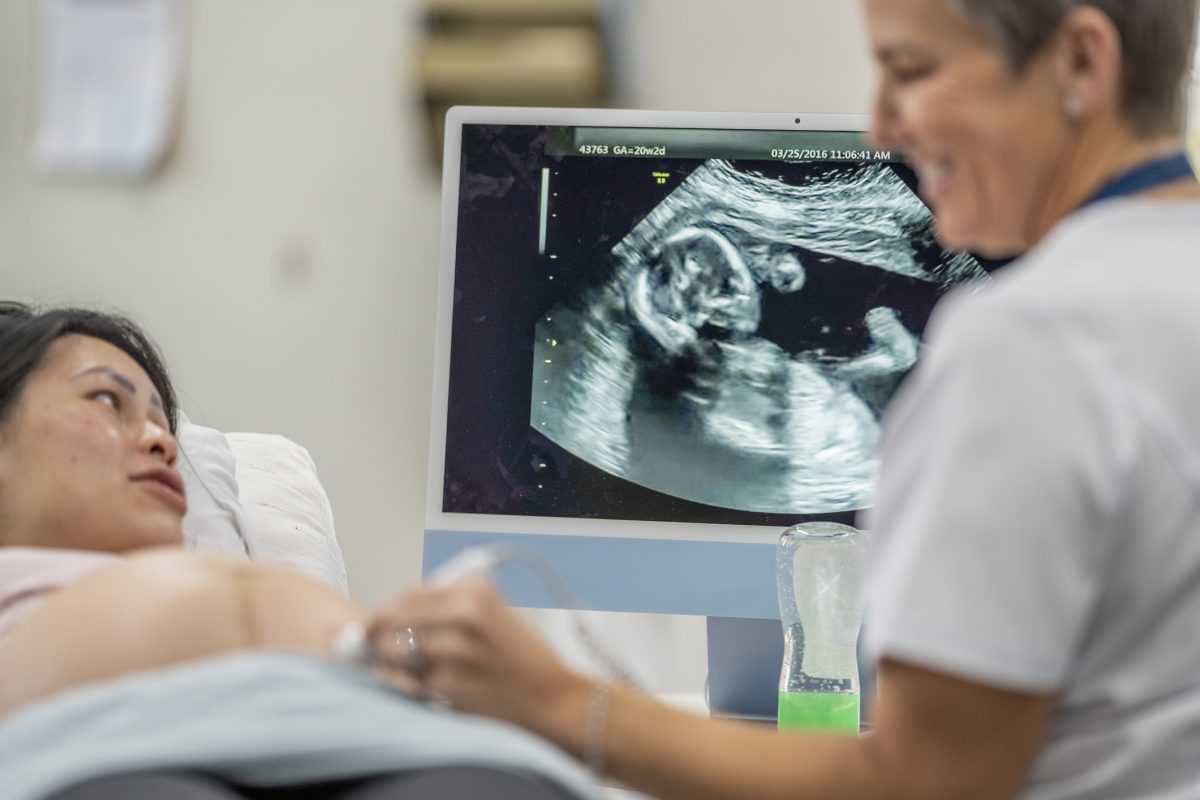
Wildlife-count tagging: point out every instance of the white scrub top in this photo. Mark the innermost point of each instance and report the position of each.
(1037, 524)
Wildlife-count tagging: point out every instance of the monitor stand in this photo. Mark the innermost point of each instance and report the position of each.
(745, 657)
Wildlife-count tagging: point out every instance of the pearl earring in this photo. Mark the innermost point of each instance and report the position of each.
(1072, 104)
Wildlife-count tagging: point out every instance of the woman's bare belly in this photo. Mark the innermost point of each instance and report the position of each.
(161, 608)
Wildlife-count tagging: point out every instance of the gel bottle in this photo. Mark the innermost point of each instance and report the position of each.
(819, 568)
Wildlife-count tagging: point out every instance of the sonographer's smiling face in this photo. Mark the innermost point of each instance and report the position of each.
(985, 140)
(87, 460)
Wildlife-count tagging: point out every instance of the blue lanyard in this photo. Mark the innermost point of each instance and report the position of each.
(1152, 174)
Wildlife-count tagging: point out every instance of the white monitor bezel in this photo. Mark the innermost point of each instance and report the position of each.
(435, 518)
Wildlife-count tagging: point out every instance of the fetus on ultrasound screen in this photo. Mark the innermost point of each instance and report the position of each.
(691, 353)
(680, 339)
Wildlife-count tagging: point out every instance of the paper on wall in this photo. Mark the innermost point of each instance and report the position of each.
(108, 86)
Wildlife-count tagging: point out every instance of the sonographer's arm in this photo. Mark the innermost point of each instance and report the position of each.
(935, 736)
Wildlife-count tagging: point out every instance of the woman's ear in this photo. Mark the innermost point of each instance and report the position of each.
(1088, 63)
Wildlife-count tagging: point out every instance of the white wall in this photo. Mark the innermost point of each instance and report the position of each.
(285, 260)
(752, 55)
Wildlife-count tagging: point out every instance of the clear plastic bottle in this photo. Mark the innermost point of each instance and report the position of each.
(819, 568)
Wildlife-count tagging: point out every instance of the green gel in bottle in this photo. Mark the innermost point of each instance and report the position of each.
(835, 712)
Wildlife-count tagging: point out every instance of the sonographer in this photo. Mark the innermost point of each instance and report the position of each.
(1035, 582)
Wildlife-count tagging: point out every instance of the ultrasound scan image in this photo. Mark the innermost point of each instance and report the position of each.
(716, 346)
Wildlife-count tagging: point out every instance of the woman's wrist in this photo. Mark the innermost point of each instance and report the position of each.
(562, 716)
(595, 732)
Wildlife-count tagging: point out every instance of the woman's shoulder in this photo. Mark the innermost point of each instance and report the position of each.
(26, 561)
(30, 573)
(1115, 258)
(1109, 234)
(25, 570)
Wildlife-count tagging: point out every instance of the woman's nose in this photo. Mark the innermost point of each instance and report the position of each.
(884, 129)
(157, 440)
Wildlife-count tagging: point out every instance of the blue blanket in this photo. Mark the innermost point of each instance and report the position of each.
(257, 719)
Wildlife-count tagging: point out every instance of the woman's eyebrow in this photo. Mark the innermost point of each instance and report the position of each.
(890, 51)
(120, 379)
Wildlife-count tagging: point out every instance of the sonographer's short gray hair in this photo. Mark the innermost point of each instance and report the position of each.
(1157, 37)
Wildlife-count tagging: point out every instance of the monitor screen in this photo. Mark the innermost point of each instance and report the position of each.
(668, 323)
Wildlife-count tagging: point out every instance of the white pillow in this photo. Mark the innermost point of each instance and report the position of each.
(257, 496)
(289, 519)
(214, 519)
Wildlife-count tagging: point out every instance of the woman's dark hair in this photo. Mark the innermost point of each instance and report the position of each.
(26, 335)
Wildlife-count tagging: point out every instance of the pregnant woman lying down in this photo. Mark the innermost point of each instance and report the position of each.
(94, 584)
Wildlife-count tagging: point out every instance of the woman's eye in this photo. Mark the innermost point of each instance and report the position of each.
(107, 398)
(909, 74)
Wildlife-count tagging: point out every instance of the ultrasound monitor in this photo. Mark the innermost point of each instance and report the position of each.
(664, 337)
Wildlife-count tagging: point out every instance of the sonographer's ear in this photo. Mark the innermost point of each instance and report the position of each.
(1086, 58)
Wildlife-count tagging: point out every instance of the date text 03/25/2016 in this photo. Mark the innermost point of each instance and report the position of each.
(804, 154)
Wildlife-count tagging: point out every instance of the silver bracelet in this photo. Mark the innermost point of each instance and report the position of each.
(596, 734)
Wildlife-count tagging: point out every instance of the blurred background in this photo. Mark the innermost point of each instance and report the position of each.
(285, 253)
(283, 245)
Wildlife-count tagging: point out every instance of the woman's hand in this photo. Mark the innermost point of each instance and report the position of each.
(483, 658)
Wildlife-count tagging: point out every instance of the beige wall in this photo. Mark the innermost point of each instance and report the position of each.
(286, 258)
(752, 55)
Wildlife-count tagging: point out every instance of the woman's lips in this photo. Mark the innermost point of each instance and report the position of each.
(933, 176)
(167, 485)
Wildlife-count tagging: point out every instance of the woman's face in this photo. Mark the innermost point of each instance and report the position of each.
(987, 144)
(87, 460)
